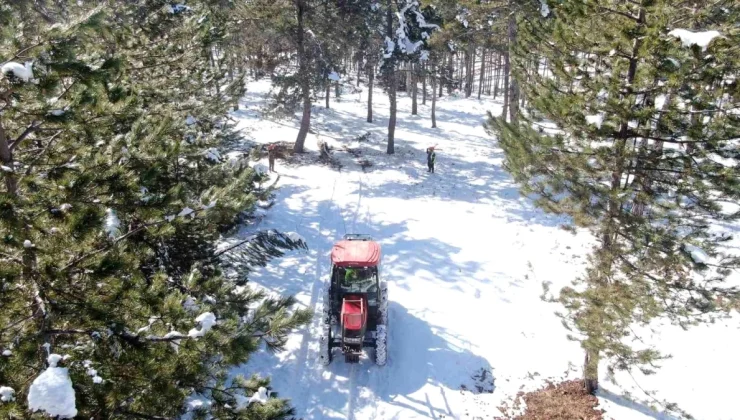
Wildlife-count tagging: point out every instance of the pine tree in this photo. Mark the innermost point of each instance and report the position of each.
(645, 156)
(406, 39)
(114, 196)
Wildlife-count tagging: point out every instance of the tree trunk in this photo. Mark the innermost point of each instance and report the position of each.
(440, 81)
(412, 69)
(497, 77)
(336, 89)
(392, 85)
(359, 66)
(514, 86)
(482, 71)
(434, 99)
(470, 75)
(328, 93)
(505, 87)
(591, 371)
(424, 84)
(450, 73)
(370, 79)
(392, 82)
(6, 156)
(304, 82)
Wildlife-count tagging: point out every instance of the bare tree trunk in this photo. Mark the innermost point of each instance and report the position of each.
(505, 87)
(440, 81)
(482, 71)
(424, 84)
(591, 371)
(304, 82)
(337, 90)
(6, 156)
(392, 85)
(359, 66)
(370, 79)
(328, 93)
(470, 76)
(434, 98)
(412, 69)
(450, 73)
(514, 86)
(497, 77)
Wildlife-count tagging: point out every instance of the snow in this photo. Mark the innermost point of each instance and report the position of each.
(190, 120)
(6, 168)
(7, 353)
(295, 237)
(465, 256)
(57, 112)
(213, 155)
(389, 47)
(174, 343)
(65, 207)
(697, 254)
(334, 76)
(260, 396)
(17, 70)
(112, 223)
(206, 320)
(660, 101)
(596, 120)
(52, 393)
(53, 359)
(27, 244)
(177, 8)
(544, 8)
(193, 402)
(190, 305)
(689, 38)
(185, 212)
(6, 394)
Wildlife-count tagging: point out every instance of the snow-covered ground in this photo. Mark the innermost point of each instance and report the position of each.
(465, 257)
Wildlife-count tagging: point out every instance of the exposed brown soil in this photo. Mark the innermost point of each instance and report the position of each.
(561, 401)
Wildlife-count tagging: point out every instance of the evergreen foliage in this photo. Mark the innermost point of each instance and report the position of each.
(114, 196)
(644, 153)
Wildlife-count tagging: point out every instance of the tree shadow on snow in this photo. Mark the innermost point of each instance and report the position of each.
(633, 405)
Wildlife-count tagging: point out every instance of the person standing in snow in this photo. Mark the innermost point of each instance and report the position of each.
(271, 157)
(431, 159)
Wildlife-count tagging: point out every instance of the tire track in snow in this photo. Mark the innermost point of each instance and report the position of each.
(306, 375)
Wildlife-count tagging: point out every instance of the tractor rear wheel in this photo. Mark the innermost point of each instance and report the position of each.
(381, 334)
(325, 345)
(325, 340)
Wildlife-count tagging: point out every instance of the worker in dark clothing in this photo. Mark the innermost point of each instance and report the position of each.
(431, 159)
(271, 152)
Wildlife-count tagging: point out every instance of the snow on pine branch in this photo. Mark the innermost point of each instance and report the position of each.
(13, 70)
(52, 392)
(6, 394)
(688, 38)
(206, 320)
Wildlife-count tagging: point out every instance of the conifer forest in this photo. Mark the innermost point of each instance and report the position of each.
(369, 209)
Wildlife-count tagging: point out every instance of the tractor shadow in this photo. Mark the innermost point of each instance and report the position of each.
(422, 365)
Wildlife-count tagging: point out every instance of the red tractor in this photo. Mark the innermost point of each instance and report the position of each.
(356, 302)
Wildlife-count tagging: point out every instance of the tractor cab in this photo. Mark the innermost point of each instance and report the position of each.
(356, 300)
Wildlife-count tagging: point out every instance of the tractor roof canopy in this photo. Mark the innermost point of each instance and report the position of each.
(355, 254)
